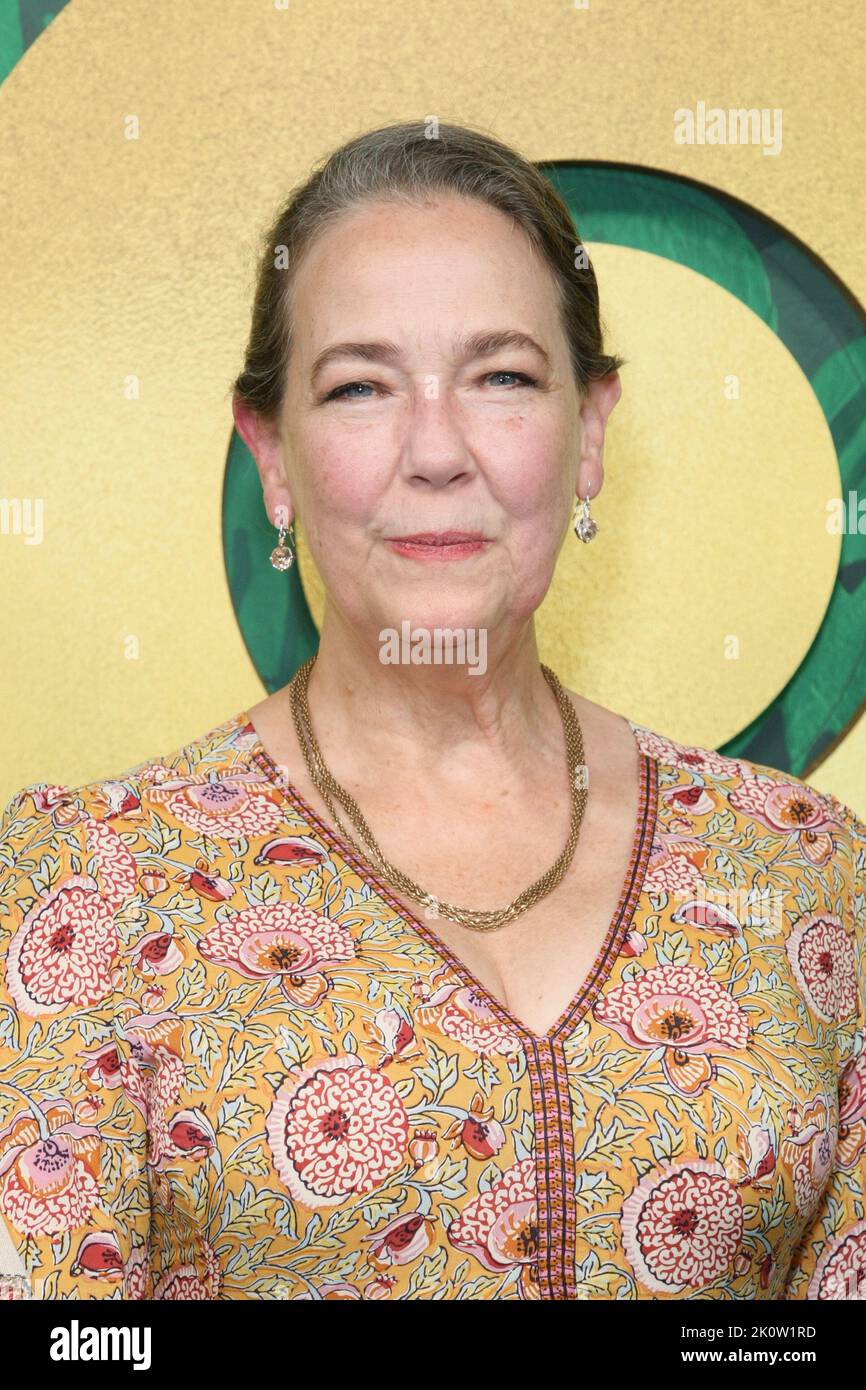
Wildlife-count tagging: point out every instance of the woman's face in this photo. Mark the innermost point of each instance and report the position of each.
(418, 428)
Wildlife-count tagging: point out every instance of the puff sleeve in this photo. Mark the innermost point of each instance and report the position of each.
(74, 1196)
(830, 1260)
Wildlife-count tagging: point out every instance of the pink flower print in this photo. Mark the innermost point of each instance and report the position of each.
(183, 1284)
(64, 950)
(153, 998)
(153, 1077)
(682, 1226)
(392, 1035)
(224, 808)
(706, 762)
(192, 1133)
(810, 1151)
(424, 1149)
(148, 1033)
(634, 944)
(206, 884)
(115, 863)
(135, 1273)
(463, 1015)
(87, 1109)
(767, 1270)
(754, 1163)
(149, 774)
(337, 1128)
(841, 1270)
(681, 1009)
(789, 808)
(66, 814)
(380, 1287)
(152, 882)
(156, 953)
(49, 1170)
(708, 915)
(245, 738)
(102, 1066)
(120, 798)
(692, 800)
(499, 1227)
(213, 1274)
(49, 796)
(852, 1112)
(675, 864)
(98, 1257)
(481, 1135)
(281, 940)
(822, 958)
(290, 852)
(401, 1241)
(161, 1086)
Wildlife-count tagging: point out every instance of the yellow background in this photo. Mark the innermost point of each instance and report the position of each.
(135, 259)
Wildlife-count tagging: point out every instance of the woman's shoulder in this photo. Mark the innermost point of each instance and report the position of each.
(705, 763)
(44, 811)
(777, 799)
(748, 817)
(606, 729)
(754, 853)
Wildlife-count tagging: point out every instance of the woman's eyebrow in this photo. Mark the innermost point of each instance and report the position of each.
(482, 344)
(368, 352)
(485, 344)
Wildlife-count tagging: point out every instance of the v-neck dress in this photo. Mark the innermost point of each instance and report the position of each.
(233, 1066)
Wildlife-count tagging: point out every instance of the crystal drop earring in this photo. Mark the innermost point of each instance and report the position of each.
(282, 556)
(585, 526)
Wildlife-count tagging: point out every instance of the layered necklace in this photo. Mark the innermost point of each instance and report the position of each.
(477, 920)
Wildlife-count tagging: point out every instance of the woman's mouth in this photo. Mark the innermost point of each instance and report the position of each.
(438, 546)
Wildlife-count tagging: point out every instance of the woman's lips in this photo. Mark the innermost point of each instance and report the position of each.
(438, 546)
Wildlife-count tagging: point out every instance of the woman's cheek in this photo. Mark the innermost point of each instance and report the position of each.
(345, 483)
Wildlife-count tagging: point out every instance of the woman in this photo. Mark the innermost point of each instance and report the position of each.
(552, 1007)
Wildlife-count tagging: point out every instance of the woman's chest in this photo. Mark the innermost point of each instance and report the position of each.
(535, 965)
(569, 904)
(341, 1107)
(360, 1121)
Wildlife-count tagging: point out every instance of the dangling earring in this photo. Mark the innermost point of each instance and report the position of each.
(282, 556)
(585, 526)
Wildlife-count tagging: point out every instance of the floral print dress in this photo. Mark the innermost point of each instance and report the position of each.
(231, 1066)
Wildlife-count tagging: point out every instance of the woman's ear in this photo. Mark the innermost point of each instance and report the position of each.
(599, 400)
(262, 438)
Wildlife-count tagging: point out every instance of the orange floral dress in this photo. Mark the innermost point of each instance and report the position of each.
(231, 1066)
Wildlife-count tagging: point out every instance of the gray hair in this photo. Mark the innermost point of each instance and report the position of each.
(407, 161)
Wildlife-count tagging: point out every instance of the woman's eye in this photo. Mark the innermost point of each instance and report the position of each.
(340, 392)
(347, 392)
(522, 378)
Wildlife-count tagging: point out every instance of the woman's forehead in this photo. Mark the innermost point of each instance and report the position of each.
(389, 284)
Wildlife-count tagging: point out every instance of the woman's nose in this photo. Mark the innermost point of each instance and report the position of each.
(435, 445)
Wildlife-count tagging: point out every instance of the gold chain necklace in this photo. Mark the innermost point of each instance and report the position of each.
(476, 920)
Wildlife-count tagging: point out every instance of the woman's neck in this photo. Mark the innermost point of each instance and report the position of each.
(416, 718)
